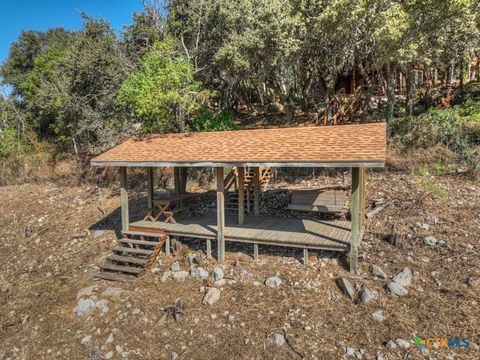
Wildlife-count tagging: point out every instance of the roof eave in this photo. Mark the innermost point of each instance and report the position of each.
(324, 164)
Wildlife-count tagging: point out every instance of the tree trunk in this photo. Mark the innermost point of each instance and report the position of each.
(353, 87)
(390, 91)
(283, 94)
(448, 79)
(368, 92)
(409, 91)
(183, 172)
(478, 65)
(462, 75)
(328, 98)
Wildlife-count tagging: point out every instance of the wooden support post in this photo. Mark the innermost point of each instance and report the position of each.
(124, 198)
(209, 248)
(241, 194)
(363, 175)
(256, 190)
(305, 257)
(150, 188)
(355, 217)
(167, 245)
(255, 252)
(220, 215)
(176, 180)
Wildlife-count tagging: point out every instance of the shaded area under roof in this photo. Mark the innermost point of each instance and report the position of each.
(362, 145)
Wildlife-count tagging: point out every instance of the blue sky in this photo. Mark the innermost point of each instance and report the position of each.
(18, 15)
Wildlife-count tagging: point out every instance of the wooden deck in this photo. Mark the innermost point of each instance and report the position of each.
(291, 232)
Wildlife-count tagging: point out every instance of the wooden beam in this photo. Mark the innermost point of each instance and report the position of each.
(288, 164)
(167, 245)
(209, 248)
(256, 190)
(176, 180)
(150, 187)
(124, 198)
(363, 175)
(355, 218)
(220, 215)
(241, 194)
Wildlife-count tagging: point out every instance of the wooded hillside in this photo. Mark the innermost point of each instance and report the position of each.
(213, 65)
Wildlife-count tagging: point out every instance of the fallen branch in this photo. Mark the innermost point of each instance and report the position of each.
(376, 210)
(159, 322)
(287, 340)
(174, 311)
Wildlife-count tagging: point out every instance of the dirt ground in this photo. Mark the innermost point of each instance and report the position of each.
(50, 246)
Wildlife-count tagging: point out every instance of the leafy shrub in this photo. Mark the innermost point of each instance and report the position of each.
(458, 129)
(10, 145)
(207, 120)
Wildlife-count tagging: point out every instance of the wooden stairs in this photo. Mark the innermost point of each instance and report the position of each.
(231, 198)
(134, 252)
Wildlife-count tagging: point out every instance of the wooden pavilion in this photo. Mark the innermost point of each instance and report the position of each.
(348, 146)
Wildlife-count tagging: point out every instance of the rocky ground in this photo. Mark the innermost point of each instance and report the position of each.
(426, 284)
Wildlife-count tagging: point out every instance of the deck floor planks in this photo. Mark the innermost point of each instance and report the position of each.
(261, 229)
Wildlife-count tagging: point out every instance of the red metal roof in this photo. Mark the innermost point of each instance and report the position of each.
(345, 145)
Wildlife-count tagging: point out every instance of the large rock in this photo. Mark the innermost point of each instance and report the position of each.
(404, 277)
(352, 352)
(396, 289)
(199, 272)
(175, 267)
(86, 340)
(378, 272)
(165, 276)
(180, 275)
(102, 306)
(404, 344)
(378, 315)
(347, 287)
(390, 344)
(273, 282)
(220, 283)
(217, 273)
(430, 241)
(212, 296)
(367, 295)
(277, 339)
(84, 307)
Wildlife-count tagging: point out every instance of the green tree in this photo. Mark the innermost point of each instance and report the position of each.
(22, 54)
(163, 92)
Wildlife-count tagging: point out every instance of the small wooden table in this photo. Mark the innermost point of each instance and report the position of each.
(169, 205)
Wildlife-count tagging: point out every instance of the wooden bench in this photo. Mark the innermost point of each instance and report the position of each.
(328, 202)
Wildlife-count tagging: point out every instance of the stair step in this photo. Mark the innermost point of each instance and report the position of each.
(159, 234)
(113, 276)
(132, 251)
(128, 259)
(139, 242)
(121, 268)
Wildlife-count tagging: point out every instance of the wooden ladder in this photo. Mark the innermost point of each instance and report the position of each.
(134, 252)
